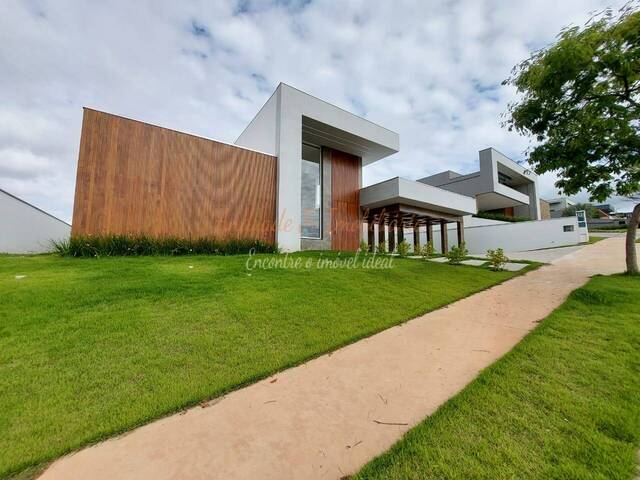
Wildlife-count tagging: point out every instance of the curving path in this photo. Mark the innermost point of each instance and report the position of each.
(328, 417)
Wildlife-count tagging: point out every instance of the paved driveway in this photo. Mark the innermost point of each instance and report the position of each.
(545, 256)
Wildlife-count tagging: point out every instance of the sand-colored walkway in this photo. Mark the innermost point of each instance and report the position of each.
(328, 417)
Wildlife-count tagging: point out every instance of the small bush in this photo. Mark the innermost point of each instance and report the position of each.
(608, 227)
(403, 248)
(134, 245)
(497, 258)
(382, 248)
(427, 250)
(364, 246)
(457, 254)
(500, 217)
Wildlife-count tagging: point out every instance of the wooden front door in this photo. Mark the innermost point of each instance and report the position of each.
(345, 201)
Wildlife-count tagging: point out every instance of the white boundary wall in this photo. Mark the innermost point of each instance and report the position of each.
(522, 236)
(27, 229)
(482, 234)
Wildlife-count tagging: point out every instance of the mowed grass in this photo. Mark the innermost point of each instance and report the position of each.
(565, 403)
(93, 347)
(595, 239)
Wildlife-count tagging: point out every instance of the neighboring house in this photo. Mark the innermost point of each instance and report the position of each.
(293, 177)
(500, 186)
(605, 210)
(545, 210)
(557, 206)
(25, 228)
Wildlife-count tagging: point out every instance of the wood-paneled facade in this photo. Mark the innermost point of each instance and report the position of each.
(345, 201)
(136, 178)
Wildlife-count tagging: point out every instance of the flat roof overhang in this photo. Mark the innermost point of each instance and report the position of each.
(417, 198)
(501, 197)
(369, 149)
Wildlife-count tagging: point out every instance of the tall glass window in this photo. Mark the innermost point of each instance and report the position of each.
(311, 192)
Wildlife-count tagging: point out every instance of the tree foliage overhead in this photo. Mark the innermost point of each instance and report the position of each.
(580, 101)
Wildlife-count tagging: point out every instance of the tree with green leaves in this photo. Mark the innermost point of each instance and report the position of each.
(580, 103)
(589, 209)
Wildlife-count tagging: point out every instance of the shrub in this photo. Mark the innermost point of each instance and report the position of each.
(133, 245)
(364, 246)
(596, 227)
(427, 250)
(457, 254)
(500, 217)
(382, 248)
(403, 248)
(497, 258)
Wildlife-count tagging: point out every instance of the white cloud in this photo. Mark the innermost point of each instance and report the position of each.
(430, 71)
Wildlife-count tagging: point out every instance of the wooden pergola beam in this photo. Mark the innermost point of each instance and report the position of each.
(416, 236)
(460, 224)
(444, 240)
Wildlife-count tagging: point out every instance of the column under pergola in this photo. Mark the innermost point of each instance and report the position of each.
(397, 217)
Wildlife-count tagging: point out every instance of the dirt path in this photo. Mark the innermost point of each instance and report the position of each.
(328, 417)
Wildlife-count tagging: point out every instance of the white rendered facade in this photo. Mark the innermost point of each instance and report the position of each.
(291, 117)
(27, 229)
(499, 184)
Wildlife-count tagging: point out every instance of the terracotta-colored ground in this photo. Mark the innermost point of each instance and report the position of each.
(328, 417)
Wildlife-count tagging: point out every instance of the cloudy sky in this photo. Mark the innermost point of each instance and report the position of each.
(431, 71)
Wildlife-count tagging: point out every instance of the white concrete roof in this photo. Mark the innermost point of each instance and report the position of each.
(408, 192)
(293, 113)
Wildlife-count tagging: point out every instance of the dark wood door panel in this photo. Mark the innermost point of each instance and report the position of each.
(345, 201)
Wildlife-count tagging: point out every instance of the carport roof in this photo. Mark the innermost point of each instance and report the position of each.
(419, 197)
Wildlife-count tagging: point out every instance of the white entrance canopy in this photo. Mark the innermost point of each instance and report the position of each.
(407, 192)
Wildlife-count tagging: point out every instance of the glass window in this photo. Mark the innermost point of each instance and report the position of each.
(311, 192)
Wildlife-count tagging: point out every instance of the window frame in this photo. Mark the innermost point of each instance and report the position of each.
(321, 165)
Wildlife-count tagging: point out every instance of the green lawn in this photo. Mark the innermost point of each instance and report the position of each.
(93, 347)
(595, 239)
(565, 403)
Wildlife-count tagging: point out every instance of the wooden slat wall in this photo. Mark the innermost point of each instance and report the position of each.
(136, 178)
(345, 201)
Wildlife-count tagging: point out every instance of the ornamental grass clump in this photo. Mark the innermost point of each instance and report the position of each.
(136, 245)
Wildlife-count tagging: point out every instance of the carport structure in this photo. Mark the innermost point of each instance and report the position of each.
(398, 204)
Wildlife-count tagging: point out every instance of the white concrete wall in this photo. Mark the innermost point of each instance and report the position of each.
(522, 236)
(483, 234)
(26, 229)
(261, 133)
(519, 236)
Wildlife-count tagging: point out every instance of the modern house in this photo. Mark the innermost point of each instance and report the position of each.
(294, 177)
(558, 205)
(25, 228)
(500, 186)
